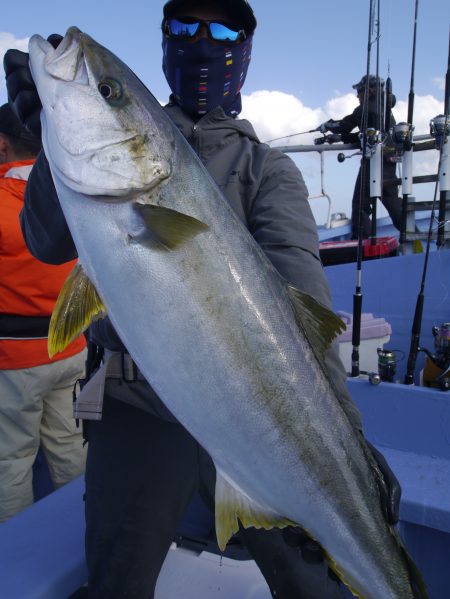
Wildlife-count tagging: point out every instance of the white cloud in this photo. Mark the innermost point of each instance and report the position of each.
(275, 113)
(425, 108)
(340, 106)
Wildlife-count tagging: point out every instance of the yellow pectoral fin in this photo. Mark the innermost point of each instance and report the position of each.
(233, 506)
(170, 228)
(78, 305)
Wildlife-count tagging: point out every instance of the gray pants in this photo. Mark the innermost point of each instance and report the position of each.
(36, 411)
(142, 472)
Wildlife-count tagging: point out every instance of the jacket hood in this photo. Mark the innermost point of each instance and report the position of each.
(215, 120)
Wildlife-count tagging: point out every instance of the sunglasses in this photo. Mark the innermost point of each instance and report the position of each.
(188, 27)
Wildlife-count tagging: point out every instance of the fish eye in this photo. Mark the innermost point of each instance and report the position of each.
(110, 89)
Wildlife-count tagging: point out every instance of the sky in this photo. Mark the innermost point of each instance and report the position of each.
(306, 56)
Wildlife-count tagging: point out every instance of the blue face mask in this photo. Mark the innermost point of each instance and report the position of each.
(203, 75)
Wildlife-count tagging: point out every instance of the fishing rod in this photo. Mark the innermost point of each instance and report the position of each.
(293, 135)
(357, 296)
(375, 139)
(402, 137)
(441, 131)
(440, 241)
(389, 99)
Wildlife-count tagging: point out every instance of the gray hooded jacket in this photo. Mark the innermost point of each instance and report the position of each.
(263, 186)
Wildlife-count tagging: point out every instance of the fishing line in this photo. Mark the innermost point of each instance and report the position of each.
(442, 142)
(418, 314)
(291, 135)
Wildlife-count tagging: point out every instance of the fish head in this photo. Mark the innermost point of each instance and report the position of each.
(98, 132)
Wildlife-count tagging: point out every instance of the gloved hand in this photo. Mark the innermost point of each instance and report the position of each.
(22, 94)
(329, 139)
(333, 138)
(330, 125)
(391, 501)
(311, 551)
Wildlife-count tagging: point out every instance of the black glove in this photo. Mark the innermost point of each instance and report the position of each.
(328, 139)
(333, 138)
(311, 551)
(22, 93)
(391, 500)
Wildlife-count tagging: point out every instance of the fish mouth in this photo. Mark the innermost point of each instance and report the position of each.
(65, 61)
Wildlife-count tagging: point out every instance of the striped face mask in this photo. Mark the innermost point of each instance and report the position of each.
(203, 75)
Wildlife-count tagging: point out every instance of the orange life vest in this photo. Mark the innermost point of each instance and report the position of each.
(28, 287)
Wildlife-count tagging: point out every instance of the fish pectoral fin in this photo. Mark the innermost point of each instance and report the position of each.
(232, 506)
(320, 324)
(78, 305)
(170, 228)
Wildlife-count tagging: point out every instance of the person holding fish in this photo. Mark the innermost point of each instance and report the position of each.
(143, 466)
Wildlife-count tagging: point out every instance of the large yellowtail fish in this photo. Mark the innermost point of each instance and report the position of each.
(233, 351)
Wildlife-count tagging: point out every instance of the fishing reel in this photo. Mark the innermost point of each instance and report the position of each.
(387, 364)
(373, 139)
(436, 372)
(440, 129)
(401, 138)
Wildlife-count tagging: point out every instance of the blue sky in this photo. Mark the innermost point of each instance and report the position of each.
(306, 56)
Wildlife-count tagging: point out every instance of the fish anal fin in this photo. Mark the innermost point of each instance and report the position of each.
(169, 227)
(318, 322)
(78, 305)
(233, 506)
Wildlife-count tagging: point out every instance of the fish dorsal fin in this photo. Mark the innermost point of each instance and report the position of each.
(169, 227)
(78, 305)
(232, 506)
(320, 324)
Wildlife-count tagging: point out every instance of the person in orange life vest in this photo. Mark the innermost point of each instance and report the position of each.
(35, 390)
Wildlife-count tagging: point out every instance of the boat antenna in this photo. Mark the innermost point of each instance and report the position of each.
(402, 136)
(440, 241)
(357, 296)
(441, 131)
